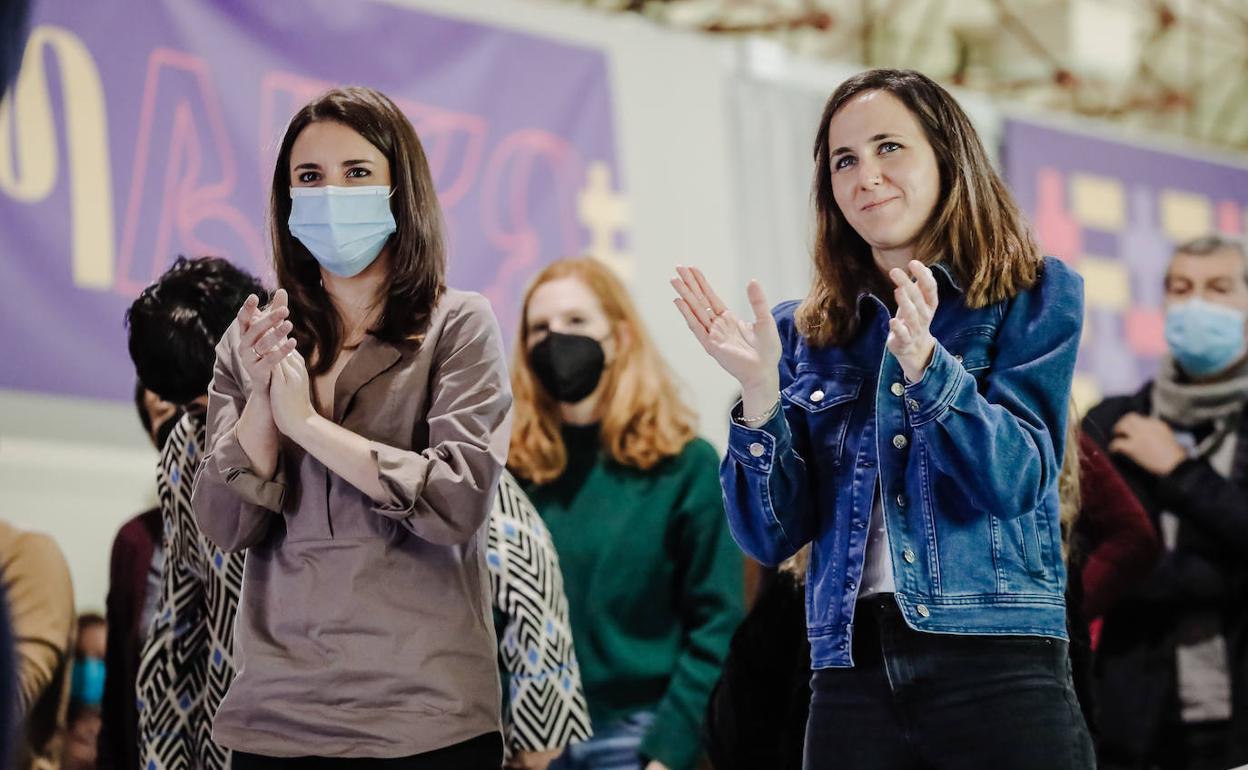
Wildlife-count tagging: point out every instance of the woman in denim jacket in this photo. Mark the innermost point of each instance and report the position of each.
(908, 418)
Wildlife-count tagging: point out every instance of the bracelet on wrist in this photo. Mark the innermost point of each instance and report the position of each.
(764, 417)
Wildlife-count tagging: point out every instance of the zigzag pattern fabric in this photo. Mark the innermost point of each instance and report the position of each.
(547, 706)
(187, 663)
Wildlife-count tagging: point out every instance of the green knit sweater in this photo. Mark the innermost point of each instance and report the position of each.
(654, 585)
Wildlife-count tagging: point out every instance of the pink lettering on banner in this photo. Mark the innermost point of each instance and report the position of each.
(182, 149)
(522, 164)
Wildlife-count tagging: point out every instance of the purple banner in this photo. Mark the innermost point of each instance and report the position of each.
(1115, 211)
(139, 131)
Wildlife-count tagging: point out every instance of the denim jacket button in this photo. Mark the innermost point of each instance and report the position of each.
(912, 405)
(817, 396)
(923, 610)
(898, 389)
(756, 449)
(900, 441)
(908, 555)
(901, 501)
(958, 359)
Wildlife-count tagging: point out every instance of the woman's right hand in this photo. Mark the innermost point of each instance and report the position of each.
(264, 341)
(748, 350)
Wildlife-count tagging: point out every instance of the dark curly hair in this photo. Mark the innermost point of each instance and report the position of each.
(176, 322)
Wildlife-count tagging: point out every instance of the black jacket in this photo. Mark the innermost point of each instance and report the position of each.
(756, 717)
(1136, 690)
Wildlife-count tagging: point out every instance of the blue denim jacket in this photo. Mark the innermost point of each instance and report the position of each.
(966, 461)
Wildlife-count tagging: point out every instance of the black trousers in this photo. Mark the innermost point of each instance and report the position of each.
(922, 701)
(485, 752)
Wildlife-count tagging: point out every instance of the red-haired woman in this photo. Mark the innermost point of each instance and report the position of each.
(608, 455)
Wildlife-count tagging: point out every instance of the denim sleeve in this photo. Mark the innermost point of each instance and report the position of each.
(763, 475)
(1003, 448)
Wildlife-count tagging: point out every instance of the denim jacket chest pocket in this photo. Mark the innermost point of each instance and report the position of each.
(973, 348)
(824, 399)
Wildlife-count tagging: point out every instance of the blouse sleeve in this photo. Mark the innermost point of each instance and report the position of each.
(232, 504)
(546, 705)
(443, 493)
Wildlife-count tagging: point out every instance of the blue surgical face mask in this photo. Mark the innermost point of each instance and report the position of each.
(345, 228)
(87, 687)
(1204, 338)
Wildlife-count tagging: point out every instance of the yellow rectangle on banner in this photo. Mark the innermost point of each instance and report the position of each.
(1185, 215)
(1106, 283)
(1098, 201)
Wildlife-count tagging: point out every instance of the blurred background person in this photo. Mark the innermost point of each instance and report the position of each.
(134, 587)
(186, 659)
(1172, 662)
(40, 595)
(86, 694)
(608, 454)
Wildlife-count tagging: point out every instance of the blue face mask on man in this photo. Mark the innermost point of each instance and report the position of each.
(1204, 338)
(87, 686)
(344, 228)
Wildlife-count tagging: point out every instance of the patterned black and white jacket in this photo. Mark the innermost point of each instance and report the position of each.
(187, 663)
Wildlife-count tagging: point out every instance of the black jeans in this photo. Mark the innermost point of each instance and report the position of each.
(937, 701)
(485, 752)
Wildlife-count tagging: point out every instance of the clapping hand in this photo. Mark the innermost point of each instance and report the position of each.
(748, 350)
(264, 341)
(910, 338)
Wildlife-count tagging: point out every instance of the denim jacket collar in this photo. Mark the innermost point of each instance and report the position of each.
(941, 270)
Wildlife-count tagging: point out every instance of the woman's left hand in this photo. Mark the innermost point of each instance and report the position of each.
(290, 395)
(656, 765)
(909, 331)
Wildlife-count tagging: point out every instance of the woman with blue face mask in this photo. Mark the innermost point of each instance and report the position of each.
(357, 428)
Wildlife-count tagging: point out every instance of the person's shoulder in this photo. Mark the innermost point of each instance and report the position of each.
(39, 552)
(1059, 278)
(697, 454)
(461, 302)
(1100, 419)
(463, 313)
(785, 312)
(139, 531)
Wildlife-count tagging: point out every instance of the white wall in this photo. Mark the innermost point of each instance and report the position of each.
(76, 469)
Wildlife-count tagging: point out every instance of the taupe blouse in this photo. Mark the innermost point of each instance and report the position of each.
(365, 628)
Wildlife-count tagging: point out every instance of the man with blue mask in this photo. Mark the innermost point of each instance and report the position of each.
(1173, 657)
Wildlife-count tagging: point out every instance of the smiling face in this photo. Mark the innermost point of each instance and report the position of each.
(885, 178)
(329, 153)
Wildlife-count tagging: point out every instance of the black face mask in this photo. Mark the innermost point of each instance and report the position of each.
(569, 366)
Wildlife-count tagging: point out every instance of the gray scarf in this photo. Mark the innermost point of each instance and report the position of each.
(1188, 404)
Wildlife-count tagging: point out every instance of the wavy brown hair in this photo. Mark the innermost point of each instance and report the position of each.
(1069, 485)
(643, 418)
(976, 227)
(417, 250)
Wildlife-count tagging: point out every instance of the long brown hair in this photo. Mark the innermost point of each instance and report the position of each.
(1069, 484)
(643, 418)
(417, 269)
(976, 228)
